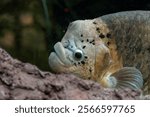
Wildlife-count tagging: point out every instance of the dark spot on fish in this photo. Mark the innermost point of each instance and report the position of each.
(81, 35)
(87, 40)
(94, 23)
(92, 41)
(90, 70)
(83, 62)
(82, 41)
(83, 47)
(75, 64)
(108, 35)
(97, 29)
(85, 57)
(108, 43)
(102, 35)
(79, 63)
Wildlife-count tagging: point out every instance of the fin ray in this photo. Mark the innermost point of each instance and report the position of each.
(128, 77)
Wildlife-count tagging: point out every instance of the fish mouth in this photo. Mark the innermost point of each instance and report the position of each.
(58, 61)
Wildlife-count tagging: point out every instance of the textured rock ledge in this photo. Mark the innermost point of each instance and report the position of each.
(20, 80)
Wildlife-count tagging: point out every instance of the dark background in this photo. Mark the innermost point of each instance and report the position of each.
(29, 35)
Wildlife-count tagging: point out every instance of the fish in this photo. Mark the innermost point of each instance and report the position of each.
(110, 50)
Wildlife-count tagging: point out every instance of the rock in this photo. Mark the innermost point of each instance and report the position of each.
(20, 80)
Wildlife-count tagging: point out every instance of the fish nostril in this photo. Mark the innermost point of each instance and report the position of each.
(66, 44)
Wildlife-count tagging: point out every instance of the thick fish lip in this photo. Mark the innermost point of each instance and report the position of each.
(57, 60)
(54, 62)
(61, 53)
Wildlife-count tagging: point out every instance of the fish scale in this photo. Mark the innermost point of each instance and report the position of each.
(113, 49)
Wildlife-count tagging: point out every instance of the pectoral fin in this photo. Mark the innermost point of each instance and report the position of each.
(128, 77)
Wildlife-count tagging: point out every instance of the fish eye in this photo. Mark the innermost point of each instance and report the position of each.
(78, 54)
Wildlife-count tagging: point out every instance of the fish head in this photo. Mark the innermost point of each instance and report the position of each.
(81, 50)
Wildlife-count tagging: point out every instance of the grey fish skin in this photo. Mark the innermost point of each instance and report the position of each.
(131, 31)
(107, 47)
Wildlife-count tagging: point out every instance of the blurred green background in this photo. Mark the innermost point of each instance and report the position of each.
(28, 33)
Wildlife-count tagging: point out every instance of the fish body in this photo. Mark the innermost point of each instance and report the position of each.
(113, 50)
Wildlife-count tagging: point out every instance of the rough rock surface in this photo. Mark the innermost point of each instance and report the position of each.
(20, 80)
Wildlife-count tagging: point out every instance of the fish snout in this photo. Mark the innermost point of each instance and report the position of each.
(58, 60)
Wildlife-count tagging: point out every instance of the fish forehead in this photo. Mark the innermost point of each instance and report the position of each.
(80, 28)
(86, 29)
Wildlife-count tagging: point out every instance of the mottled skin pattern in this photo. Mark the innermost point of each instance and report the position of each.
(108, 44)
(131, 31)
